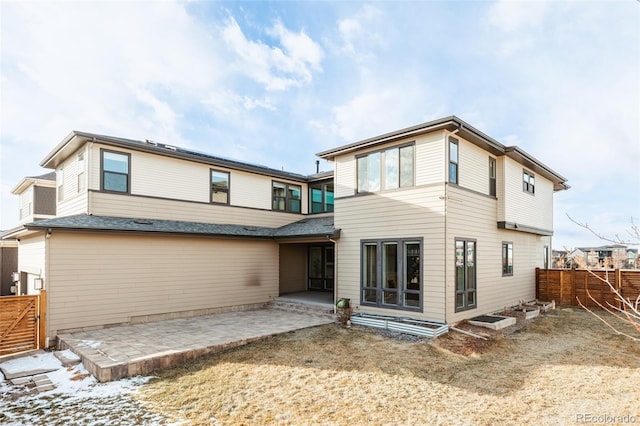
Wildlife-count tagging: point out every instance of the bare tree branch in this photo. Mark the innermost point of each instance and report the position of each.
(628, 312)
(634, 233)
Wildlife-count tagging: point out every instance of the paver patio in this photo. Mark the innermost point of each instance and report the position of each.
(117, 352)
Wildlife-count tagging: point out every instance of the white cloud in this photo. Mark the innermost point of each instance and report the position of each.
(275, 68)
(357, 35)
(375, 111)
(511, 15)
(300, 47)
(100, 76)
(229, 103)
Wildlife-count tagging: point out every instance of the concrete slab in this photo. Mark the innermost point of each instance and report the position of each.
(28, 366)
(117, 352)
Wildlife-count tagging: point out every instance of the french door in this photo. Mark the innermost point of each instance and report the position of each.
(321, 267)
(465, 259)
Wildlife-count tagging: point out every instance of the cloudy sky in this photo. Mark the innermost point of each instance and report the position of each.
(275, 82)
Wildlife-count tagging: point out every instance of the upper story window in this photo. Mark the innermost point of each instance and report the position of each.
(492, 176)
(321, 197)
(219, 187)
(60, 184)
(453, 160)
(528, 182)
(115, 171)
(82, 183)
(389, 169)
(286, 197)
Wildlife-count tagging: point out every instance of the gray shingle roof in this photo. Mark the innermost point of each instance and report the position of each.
(321, 226)
(306, 227)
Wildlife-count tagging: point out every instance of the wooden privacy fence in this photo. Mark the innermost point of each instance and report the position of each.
(22, 323)
(567, 286)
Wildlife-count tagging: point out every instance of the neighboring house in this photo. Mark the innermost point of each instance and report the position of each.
(633, 260)
(37, 197)
(437, 221)
(37, 201)
(614, 256)
(8, 265)
(560, 259)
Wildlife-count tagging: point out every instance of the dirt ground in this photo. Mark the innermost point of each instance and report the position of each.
(564, 367)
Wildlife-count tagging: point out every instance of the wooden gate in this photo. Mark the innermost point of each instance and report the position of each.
(22, 322)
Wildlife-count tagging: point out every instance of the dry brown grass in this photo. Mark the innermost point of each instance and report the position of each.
(556, 368)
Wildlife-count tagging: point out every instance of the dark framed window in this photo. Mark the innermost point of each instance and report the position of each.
(321, 197)
(391, 168)
(60, 182)
(115, 171)
(465, 258)
(545, 254)
(391, 273)
(528, 182)
(286, 197)
(507, 258)
(453, 160)
(219, 186)
(321, 267)
(492, 176)
(82, 182)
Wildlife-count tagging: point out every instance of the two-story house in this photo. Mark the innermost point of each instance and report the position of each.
(440, 221)
(436, 222)
(149, 231)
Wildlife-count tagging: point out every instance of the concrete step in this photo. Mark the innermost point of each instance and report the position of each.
(325, 311)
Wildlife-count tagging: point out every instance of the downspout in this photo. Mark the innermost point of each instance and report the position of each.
(88, 175)
(335, 270)
(47, 278)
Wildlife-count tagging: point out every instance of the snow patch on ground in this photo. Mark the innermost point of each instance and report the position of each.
(45, 361)
(78, 398)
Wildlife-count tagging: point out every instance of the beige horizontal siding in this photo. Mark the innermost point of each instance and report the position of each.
(99, 279)
(158, 176)
(26, 205)
(77, 204)
(521, 207)
(409, 213)
(430, 158)
(107, 204)
(73, 201)
(345, 176)
(473, 216)
(473, 167)
(31, 259)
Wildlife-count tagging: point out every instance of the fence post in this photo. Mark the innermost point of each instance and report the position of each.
(573, 286)
(537, 283)
(618, 287)
(42, 319)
